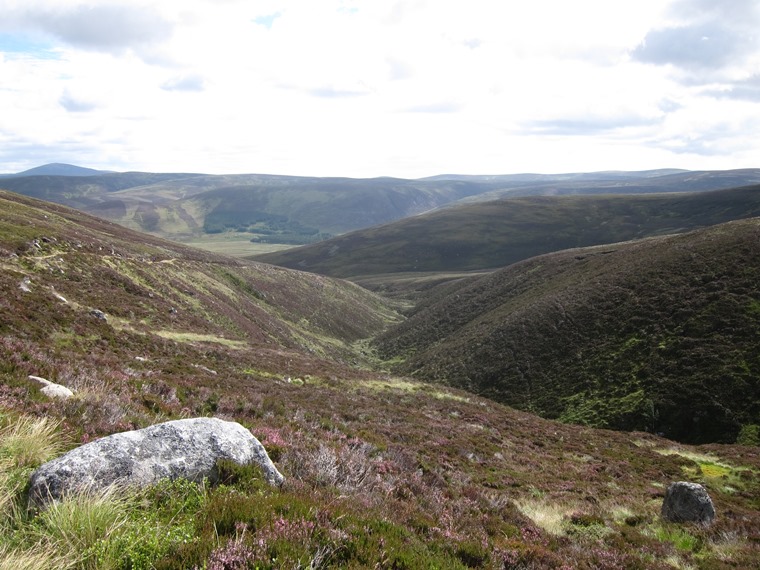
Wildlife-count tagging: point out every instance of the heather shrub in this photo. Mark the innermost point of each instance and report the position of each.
(471, 554)
(235, 555)
(351, 467)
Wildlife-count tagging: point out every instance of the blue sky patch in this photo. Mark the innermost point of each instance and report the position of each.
(21, 44)
(267, 20)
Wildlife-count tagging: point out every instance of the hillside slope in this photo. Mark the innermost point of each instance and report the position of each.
(381, 471)
(658, 335)
(494, 234)
(267, 207)
(643, 182)
(57, 169)
(58, 265)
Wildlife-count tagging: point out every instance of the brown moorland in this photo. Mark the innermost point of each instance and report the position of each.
(382, 471)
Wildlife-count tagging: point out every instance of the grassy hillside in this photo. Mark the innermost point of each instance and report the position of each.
(494, 234)
(658, 335)
(382, 471)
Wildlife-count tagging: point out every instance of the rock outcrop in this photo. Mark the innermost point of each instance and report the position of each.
(186, 449)
(687, 502)
(98, 314)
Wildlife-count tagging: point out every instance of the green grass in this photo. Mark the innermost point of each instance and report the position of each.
(195, 337)
(29, 441)
(235, 245)
(78, 524)
(678, 536)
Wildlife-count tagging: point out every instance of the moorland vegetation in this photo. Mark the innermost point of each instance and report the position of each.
(302, 209)
(494, 234)
(382, 470)
(656, 335)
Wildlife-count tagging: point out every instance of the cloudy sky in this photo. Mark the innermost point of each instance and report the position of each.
(405, 88)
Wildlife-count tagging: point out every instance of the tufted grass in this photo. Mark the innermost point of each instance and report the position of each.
(39, 558)
(29, 441)
(76, 524)
(25, 443)
(550, 517)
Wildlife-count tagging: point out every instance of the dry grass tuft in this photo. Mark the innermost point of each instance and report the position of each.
(76, 524)
(39, 558)
(547, 516)
(29, 442)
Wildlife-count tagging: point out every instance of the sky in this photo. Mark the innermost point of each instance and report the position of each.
(363, 88)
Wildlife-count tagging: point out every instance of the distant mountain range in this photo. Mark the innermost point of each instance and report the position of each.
(57, 169)
(302, 210)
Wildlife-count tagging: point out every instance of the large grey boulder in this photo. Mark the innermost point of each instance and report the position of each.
(687, 502)
(187, 449)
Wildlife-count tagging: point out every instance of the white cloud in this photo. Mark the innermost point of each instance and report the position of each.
(187, 82)
(708, 39)
(405, 88)
(76, 104)
(106, 26)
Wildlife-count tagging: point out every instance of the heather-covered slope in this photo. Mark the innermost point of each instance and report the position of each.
(58, 265)
(381, 471)
(494, 234)
(661, 334)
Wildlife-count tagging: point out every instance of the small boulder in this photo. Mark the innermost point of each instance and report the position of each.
(98, 314)
(687, 502)
(58, 296)
(51, 389)
(187, 449)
